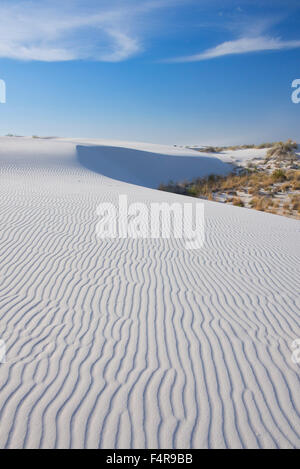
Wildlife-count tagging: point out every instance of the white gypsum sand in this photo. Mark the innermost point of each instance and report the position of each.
(140, 343)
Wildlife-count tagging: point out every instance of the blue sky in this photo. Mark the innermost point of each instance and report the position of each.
(165, 71)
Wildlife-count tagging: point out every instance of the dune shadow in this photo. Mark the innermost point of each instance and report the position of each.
(145, 168)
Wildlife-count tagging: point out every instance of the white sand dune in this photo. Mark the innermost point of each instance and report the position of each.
(140, 343)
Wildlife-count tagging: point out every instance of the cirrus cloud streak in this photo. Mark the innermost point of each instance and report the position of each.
(73, 30)
(241, 46)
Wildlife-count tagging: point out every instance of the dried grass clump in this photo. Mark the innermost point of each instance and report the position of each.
(285, 187)
(261, 203)
(295, 202)
(278, 175)
(282, 151)
(264, 145)
(276, 149)
(173, 187)
(237, 201)
(286, 207)
(295, 185)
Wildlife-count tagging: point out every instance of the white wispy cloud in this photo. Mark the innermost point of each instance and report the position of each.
(73, 29)
(242, 45)
(116, 30)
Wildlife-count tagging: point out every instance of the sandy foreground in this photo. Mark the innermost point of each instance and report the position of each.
(140, 343)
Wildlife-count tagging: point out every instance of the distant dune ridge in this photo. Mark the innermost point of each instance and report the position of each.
(140, 343)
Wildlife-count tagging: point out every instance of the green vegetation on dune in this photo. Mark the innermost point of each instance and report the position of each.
(284, 147)
(261, 188)
(272, 185)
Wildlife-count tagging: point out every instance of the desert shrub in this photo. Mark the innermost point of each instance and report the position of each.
(295, 202)
(254, 201)
(293, 176)
(282, 151)
(192, 191)
(253, 190)
(173, 187)
(237, 201)
(261, 185)
(264, 145)
(278, 175)
(208, 149)
(289, 145)
(260, 203)
(211, 178)
(296, 186)
(285, 187)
